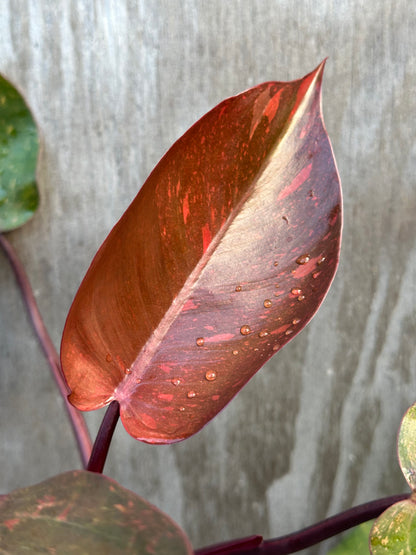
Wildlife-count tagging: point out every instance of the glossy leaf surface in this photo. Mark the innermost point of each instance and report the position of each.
(83, 512)
(394, 532)
(406, 446)
(18, 156)
(222, 258)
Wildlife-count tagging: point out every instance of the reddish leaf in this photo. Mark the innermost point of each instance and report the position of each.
(222, 258)
(84, 512)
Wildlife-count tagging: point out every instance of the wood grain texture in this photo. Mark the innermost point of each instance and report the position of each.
(112, 85)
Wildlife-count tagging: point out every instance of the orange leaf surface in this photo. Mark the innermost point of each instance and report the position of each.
(223, 257)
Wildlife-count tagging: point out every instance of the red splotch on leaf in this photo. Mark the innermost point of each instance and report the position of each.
(299, 180)
(11, 523)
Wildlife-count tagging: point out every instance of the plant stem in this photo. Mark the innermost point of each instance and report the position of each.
(312, 534)
(79, 426)
(232, 546)
(103, 440)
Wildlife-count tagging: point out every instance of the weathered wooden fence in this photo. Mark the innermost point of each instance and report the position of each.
(112, 84)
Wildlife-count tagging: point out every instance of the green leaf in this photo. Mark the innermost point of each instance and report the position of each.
(394, 532)
(83, 512)
(19, 196)
(406, 446)
(354, 543)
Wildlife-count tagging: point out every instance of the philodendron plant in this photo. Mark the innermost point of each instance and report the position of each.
(223, 257)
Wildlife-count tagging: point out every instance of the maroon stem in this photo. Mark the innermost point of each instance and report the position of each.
(103, 439)
(232, 546)
(313, 534)
(79, 426)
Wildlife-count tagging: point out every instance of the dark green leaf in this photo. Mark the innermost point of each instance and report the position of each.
(19, 196)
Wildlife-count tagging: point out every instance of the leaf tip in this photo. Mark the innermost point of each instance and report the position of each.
(318, 72)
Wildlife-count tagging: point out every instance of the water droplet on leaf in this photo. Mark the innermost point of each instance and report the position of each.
(238, 288)
(263, 333)
(175, 381)
(245, 330)
(128, 371)
(288, 332)
(276, 347)
(235, 352)
(200, 341)
(315, 275)
(295, 321)
(182, 409)
(267, 303)
(322, 259)
(296, 291)
(303, 259)
(301, 298)
(191, 394)
(210, 375)
(276, 263)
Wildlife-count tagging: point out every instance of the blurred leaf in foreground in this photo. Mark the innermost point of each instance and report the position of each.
(84, 512)
(406, 446)
(395, 530)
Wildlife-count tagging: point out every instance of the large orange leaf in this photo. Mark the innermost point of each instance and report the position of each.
(222, 258)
